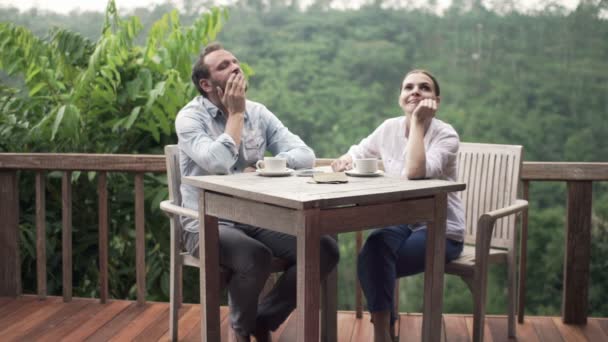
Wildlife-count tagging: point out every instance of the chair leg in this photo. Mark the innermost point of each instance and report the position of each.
(479, 302)
(174, 299)
(512, 300)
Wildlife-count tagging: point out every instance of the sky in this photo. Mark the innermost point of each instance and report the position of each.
(66, 6)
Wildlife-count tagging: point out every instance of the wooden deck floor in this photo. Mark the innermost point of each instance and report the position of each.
(30, 319)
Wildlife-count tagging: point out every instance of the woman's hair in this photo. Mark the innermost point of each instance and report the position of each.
(422, 71)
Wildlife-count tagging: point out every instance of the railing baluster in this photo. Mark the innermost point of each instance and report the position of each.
(41, 234)
(66, 236)
(102, 192)
(10, 264)
(523, 259)
(140, 245)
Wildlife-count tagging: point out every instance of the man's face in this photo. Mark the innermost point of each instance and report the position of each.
(221, 65)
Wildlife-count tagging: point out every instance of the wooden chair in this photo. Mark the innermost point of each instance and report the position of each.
(179, 258)
(492, 174)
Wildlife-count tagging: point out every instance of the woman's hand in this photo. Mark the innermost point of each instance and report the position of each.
(425, 111)
(343, 163)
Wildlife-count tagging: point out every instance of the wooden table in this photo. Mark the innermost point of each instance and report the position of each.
(294, 206)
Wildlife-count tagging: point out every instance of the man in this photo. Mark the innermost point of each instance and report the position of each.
(221, 132)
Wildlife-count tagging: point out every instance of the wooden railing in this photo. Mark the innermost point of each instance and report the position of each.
(579, 177)
(10, 163)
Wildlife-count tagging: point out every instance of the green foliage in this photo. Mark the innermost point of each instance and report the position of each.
(108, 96)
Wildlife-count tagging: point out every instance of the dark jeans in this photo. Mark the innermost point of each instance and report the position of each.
(248, 251)
(390, 253)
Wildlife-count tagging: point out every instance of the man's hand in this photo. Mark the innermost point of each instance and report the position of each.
(425, 111)
(343, 163)
(249, 169)
(233, 98)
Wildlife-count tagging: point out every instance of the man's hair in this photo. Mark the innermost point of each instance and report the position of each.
(200, 70)
(422, 71)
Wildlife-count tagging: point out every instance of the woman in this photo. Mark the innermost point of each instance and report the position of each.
(414, 146)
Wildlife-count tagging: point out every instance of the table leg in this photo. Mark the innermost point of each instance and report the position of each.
(308, 278)
(209, 274)
(329, 306)
(433, 274)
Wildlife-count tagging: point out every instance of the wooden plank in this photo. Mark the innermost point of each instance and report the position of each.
(603, 322)
(140, 239)
(410, 328)
(188, 315)
(23, 326)
(118, 322)
(545, 329)
(527, 333)
(498, 328)
(39, 332)
(376, 215)
(287, 332)
(159, 326)
(90, 326)
(564, 171)
(455, 328)
(346, 324)
(249, 212)
(577, 255)
(225, 325)
(10, 265)
(209, 274)
(73, 322)
(569, 332)
(363, 330)
(434, 269)
(66, 234)
(40, 235)
(83, 162)
(20, 310)
(487, 335)
(308, 241)
(593, 331)
(14, 303)
(102, 191)
(143, 321)
(195, 334)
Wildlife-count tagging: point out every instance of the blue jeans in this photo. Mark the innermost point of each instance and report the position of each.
(390, 253)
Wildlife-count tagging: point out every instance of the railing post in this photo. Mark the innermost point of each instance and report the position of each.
(10, 265)
(577, 257)
(140, 239)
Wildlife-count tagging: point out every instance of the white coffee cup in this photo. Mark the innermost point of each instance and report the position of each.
(366, 165)
(272, 164)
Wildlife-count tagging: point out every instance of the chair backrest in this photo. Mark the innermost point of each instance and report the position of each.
(174, 174)
(492, 174)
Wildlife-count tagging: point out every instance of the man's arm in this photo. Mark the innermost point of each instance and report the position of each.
(282, 143)
(233, 101)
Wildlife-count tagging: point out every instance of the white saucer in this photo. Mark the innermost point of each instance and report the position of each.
(354, 173)
(285, 172)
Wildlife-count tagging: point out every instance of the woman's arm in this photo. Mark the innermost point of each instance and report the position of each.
(419, 123)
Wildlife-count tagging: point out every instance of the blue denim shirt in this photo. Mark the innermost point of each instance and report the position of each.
(206, 150)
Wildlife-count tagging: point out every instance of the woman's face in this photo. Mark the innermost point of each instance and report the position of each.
(416, 87)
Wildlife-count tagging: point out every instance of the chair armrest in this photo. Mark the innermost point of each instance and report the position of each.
(171, 209)
(494, 215)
